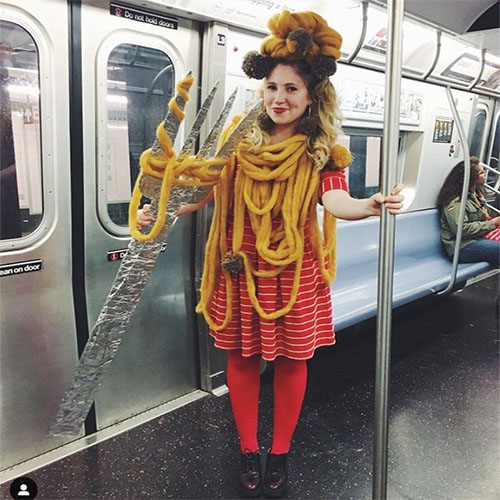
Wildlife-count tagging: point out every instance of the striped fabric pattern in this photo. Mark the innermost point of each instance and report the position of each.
(494, 234)
(296, 335)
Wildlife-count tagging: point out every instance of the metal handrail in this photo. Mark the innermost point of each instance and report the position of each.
(491, 169)
(491, 207)
(492, 189)
(497, 183)
(361, 38)
(436, 56)
(487, 186)
(481, 69)
(465, 191)
(386, 246)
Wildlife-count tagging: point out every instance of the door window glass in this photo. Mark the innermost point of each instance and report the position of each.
(477, 133)
(363, 173)
(21, 196)
(140, 83)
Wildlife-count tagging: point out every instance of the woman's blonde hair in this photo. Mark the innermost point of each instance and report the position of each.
(325, 107)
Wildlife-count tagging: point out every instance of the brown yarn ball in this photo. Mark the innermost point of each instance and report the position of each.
(303, 39)
(232, 262)
(323, 66)
(265, 122)
(308, 125)
(256, 65)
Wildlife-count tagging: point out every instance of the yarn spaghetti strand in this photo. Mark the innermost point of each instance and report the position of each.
(276, 179)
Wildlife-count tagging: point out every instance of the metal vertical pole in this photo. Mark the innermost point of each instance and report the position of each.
(386, 245)
(465, 190)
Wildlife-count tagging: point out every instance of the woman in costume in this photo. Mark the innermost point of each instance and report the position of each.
(265, 289)
(478, 226)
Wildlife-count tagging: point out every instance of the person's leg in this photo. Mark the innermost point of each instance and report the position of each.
(481, 250)
(243, 380)
(290, 380)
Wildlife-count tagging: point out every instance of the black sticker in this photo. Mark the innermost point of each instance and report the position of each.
(114, 255)
(221, 39)
(17, 268)
(142, 16)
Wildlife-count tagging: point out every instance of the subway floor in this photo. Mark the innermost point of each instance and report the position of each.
(444, 436)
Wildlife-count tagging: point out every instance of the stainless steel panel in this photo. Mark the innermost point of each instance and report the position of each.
(212, 360)
(157, 359)
(38, 339)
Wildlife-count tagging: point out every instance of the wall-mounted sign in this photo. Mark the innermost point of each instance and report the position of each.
(143, 16)
(378, 43)
(115, 255)
(221, 39)
(443, 130)
(365, 101)
(17, 268)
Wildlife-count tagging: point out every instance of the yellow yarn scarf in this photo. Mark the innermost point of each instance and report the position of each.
(278, 180)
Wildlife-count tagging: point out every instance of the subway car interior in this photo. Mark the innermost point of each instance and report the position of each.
(84, 84)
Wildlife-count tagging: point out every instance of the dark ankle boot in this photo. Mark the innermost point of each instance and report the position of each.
(250, 480)
(275, 480)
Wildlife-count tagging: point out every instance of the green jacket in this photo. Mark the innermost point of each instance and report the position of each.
(475, 223)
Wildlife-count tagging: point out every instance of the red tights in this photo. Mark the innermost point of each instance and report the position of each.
(243, 380)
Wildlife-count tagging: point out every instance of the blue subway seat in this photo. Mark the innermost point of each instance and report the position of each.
(421, 266)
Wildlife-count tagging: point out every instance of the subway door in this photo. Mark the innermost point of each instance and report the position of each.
(129, 69)
(38, 336)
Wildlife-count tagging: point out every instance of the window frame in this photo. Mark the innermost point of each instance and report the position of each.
(47, 136)
(107, 46)
(375, 132)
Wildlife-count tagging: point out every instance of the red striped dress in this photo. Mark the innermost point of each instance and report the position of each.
(298, 333)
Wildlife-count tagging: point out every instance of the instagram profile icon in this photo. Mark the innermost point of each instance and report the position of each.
(23, 487)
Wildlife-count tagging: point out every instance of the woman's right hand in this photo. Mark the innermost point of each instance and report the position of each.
(144, 217)
(496, 220)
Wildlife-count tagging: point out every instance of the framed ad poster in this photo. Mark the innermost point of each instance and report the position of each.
(443, 130)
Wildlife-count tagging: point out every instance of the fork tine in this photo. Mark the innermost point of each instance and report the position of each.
(171, 123)
(213, 135)
(199, 120)
(244, 125)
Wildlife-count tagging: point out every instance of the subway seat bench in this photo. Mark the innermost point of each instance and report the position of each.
(421, 266)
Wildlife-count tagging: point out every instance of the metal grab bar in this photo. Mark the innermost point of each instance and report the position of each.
(465, 191)
(481, 69)
(491, 189)
(361, 39)
(491, 169)
(491, 207)
(497, 183)
(386, 246)
(436, 56)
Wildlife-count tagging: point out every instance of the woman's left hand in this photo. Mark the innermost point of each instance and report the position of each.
(393, 202)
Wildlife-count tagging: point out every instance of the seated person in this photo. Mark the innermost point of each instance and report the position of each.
(473, 247)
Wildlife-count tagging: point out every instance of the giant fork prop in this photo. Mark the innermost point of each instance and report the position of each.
(141, 256)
